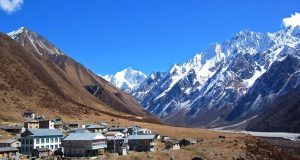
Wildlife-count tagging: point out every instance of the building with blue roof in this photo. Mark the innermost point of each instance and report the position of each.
(40, 138)
(84, 144)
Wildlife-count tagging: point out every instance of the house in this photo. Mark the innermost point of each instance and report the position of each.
(10, 143)
(96, 128)
(72, 126)
(40, 118)
(118, 129)
(113, 134)
(84, 144)
(117, 144)
(143, 131)
(40, 138)
(186, 142)
(9, 153)
(141, 142)
(81, 130)
(13, 129)
(58, 123)
(31, 124)
(164, 138)
(29, 115)
(172, 144)
(41, 153)
(46, 124)
(133, 130)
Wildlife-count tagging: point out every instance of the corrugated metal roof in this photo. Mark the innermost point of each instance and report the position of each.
(45, 132)
(11, 127)
(82, 136)
(143, 136)
(82, 130)
(12, 140)
(95, 126)
(8, 149)
(115, 138)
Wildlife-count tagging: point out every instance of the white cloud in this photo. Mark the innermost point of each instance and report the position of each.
(292, 21)
(10, 6)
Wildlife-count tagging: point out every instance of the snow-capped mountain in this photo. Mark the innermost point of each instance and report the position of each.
(127, 79)
(39, 44)
(207, 88)
(74, 73)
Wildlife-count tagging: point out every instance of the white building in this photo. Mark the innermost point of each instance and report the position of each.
(144, 131)
(40, 138)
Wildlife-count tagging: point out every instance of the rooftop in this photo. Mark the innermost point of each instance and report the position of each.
(144, 136)
(95, 126)
(83, 136)
(8, 149)
(45, 132)
(11, 127)
(11, 140)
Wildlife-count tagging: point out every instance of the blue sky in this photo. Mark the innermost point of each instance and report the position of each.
(148, 35)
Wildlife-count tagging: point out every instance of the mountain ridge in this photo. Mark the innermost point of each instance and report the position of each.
(76, 74)
(204, 90)
(127, 80)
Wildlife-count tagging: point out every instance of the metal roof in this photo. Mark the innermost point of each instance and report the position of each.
(115, 138)
(117, 128)
(11, 140)
(8, 149)
(11, 127)
(45, 132)
(82, 136)
(82, 130)
(95, 126)
(143, 136)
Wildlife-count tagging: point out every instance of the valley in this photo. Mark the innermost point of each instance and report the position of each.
(250, 82)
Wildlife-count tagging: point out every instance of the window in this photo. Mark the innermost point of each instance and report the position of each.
(56, 139)
(27, 141)
(31, 141)
(47, 140)
(51, 140)
(23, 141)
(47, 146)
(37, 141)
(37, 147)
(56, 146)
(42, 146)
(42, 140)
(52, 147)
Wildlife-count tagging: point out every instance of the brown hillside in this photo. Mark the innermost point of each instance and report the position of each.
(28, 81)
(77, 73)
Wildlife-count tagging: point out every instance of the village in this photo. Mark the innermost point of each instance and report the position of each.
(41, 138)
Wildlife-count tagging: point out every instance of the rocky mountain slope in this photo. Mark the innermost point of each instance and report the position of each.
(127, 79)
(228, 83)
(38, 76)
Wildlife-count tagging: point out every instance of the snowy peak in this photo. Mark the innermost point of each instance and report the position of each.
(215, 79)
(127, 79)
(34, 42)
